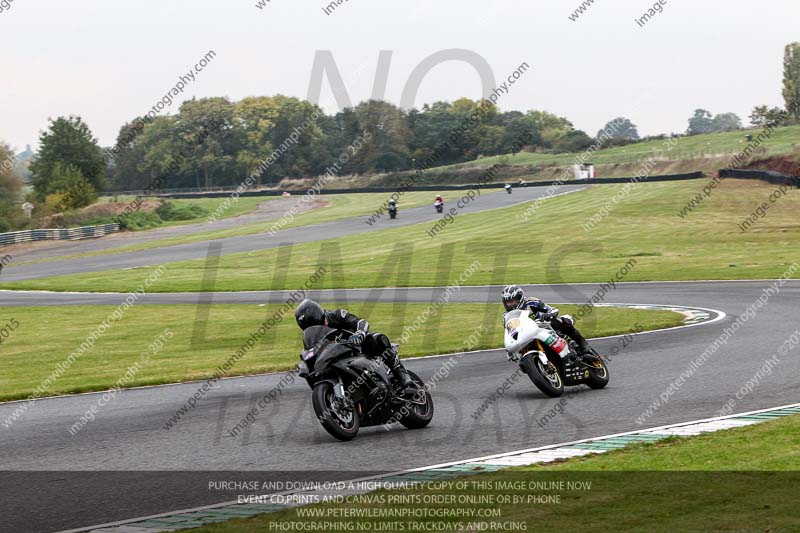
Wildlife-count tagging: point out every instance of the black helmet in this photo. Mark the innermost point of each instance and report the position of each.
(309, 313)
(512, 297)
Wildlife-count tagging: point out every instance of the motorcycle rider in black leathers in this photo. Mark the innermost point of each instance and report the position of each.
(514, 298)
(310, 313)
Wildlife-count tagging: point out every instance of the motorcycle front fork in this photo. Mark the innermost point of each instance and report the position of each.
(341, 396)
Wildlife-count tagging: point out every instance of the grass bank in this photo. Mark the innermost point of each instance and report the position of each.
(204, 337)
(783, 140)
(520, 244)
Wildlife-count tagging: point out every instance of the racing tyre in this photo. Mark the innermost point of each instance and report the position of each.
(341, 423)
(418, 413)
(598, 372)
(546, 378)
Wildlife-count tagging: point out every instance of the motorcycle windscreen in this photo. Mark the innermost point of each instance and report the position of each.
(329, 354)
(314, 335)
(512, 319)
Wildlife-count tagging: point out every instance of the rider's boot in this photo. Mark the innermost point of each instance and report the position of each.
(409, 387)
(400, 372)
(583, 347)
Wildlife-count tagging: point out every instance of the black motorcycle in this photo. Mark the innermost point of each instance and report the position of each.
(350, 390)
(392, 211)
(439, 206)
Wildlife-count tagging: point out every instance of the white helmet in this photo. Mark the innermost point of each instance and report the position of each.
(513, 295)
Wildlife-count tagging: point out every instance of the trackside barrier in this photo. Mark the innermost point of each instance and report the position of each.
(57, 234)
(388, 190)
(763, 175)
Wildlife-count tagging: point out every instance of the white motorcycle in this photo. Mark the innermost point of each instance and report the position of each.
(549, 359)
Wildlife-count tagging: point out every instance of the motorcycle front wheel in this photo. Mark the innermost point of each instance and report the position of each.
(341, 423)
(546, 378)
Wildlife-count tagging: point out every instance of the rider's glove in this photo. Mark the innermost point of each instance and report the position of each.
(550, 315)
(357, 338)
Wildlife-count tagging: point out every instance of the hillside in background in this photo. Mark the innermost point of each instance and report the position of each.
(707, 153)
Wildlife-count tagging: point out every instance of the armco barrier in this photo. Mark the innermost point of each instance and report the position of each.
(57, 234)
(763, 175)
(389, 190)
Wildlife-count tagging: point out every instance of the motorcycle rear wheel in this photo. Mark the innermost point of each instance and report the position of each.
(418, 416)
(332, 419)
(598, 373)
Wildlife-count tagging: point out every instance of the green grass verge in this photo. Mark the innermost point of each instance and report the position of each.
(550, 247)
(736, 480)
(43, 339)
(782, 141)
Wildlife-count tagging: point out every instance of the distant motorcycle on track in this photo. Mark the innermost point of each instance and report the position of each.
(438, 203)
(550, 360)
(350, 390)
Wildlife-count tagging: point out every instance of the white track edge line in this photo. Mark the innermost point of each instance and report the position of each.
(443, 465)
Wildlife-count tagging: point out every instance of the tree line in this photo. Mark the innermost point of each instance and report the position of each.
(214, 142)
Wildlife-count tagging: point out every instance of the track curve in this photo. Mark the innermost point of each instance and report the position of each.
(128, 433)
(264, 241)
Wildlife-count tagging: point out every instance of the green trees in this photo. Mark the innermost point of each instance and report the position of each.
(262, 139)
(127, 165)
(620, 129)
(10, 186)
(574, 141)
(204, 141)
(704, 122)
(550, 127)
(791, 79)
(69, 162)
(388, 148)
(726, 122)
(303, 148)
(519, 130)
(700, 122)
(764, 115)
(256, 116)
(71, 187)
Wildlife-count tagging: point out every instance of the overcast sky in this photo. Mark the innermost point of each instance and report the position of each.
(108, 61)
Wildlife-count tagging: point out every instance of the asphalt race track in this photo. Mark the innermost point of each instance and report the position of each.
(160, 470)
(262, 241)
(266, 212)
(128, 434)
